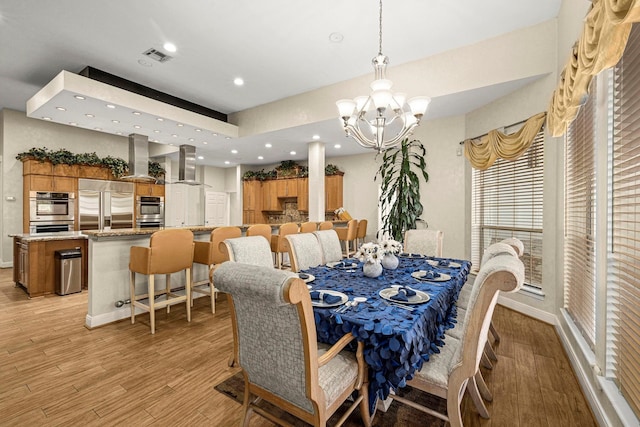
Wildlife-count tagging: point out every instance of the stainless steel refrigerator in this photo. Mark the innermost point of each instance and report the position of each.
(105, 205)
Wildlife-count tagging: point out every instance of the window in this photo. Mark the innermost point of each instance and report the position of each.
(579, 219)
(623, 285)
(507, 202)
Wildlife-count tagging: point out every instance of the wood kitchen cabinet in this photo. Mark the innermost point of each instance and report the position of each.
(250, 194)
(287, 187)
(147, 189)
(270, 196)
(303, 194)
(62, 184)
(333, 192)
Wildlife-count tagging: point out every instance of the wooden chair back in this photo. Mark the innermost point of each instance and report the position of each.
(308, 227)
(218, 235)
(260, 230)
(325, 225)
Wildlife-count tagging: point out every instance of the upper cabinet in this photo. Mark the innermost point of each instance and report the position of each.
(146, 189)
(303, 194)
(287, 187)
(270, 196)
(333, 192)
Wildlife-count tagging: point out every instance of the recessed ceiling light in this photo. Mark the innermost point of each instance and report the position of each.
(115, 121)
(160, 119)
(238, 81)
(226, 162)
(118, 133)
(205, 142)
(154, 140)
(174, 135)
(172, 144)
(215, 134)
(111, 106)
(234, 151)
(61, 109)
(337, 146)
(170, 47)
(268, 145)
(179, 125)
(137, 126)
(293, 153)
(200, 157)
(191, 139)
(97, 128)
(260, 158)
(156, 131)
(46, 118)
(316, 137)
(136, 113)
(80, 97)
(198, 130)
(89, 115)
(227, 137)
(73, 123)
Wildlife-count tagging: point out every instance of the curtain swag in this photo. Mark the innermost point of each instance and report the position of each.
(483, 153)
(604, 37)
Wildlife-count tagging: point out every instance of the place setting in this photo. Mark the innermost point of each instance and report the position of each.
(409, 255)
(327, 298)
(430, 276)
(307, 278)
(343, 265)
(443, 263)
(398, 296)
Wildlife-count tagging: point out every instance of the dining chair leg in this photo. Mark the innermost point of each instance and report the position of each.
(472, 388)
(152, 309)
(188, 291)
(491, 354)
(482, 387)
(168, 291)
(132, 295)
(494, 332)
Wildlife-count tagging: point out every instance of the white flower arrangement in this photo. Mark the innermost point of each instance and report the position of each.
(370, 252)
(390, 247)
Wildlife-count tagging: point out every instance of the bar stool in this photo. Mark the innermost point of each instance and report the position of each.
(325, 225)
(308, 227)
(169, 251)
(348, 235)
(260, 230)
(208, 253)
(278, 245)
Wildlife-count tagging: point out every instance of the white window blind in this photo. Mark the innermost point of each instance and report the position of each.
(579, 221)
(624, 259)
(507, 202)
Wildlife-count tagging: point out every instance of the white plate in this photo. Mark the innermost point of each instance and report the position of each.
(418, 298)
(408, 255)
(311, 277)
(346, 266)
(420, 276)
(343, 297)
(434, 263)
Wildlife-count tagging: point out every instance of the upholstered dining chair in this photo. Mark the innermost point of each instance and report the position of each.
(208, 253)
(330, 245)
(260, 230)
(169, 251)
(304, 251)
(516, 243)
(253, 250)
(361, 232)
(277, 241)
(452, 371)
(308, 227)
(325, 225)
(277, 349)
(424, 242)
(348, 236)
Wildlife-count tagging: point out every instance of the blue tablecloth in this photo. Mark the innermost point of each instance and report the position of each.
(397, 341)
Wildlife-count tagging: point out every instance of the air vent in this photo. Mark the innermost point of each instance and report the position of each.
(157, 55)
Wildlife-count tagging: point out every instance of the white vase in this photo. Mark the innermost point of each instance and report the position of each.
(390, 261)
(372, 269)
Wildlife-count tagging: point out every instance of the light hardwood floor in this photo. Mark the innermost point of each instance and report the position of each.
(55, 372)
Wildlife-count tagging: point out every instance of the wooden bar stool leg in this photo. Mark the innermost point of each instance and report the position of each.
(188, 290)
(212, 289)
(152, 308)
(132, 292)
(168, 291)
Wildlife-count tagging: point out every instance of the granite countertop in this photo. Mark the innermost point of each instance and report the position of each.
(43, 237)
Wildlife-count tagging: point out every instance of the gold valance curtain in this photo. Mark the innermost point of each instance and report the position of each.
(604, 37)
(496, 144)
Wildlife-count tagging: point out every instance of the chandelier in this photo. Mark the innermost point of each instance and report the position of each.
(380, 121)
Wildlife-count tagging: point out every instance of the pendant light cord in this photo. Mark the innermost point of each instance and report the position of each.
(380, 33)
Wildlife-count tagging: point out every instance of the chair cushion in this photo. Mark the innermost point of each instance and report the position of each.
(337, 375)
(436, 370)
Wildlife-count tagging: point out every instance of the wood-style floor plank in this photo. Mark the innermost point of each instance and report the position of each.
(55, 372)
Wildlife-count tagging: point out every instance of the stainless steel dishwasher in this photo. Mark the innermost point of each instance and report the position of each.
(68, 271)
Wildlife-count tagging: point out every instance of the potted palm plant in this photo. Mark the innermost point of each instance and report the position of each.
(400, 187)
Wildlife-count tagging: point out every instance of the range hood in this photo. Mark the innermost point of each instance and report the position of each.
(138, 159)
(187, 167)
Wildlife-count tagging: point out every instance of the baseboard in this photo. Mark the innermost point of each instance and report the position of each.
(8, 264)
(527, 310)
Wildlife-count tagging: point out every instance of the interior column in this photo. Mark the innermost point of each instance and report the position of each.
(316, 181)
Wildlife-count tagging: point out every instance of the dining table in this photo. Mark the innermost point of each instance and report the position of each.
(398, 336)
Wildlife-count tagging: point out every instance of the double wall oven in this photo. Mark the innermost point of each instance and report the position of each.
(51, 212)
(149, 211)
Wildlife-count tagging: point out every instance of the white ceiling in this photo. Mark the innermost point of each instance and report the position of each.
(279, 47)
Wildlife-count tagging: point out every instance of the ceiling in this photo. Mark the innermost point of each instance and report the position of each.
(279, 47)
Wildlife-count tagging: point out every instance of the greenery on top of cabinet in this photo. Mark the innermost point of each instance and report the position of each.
(287, 169)
(118, 166)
